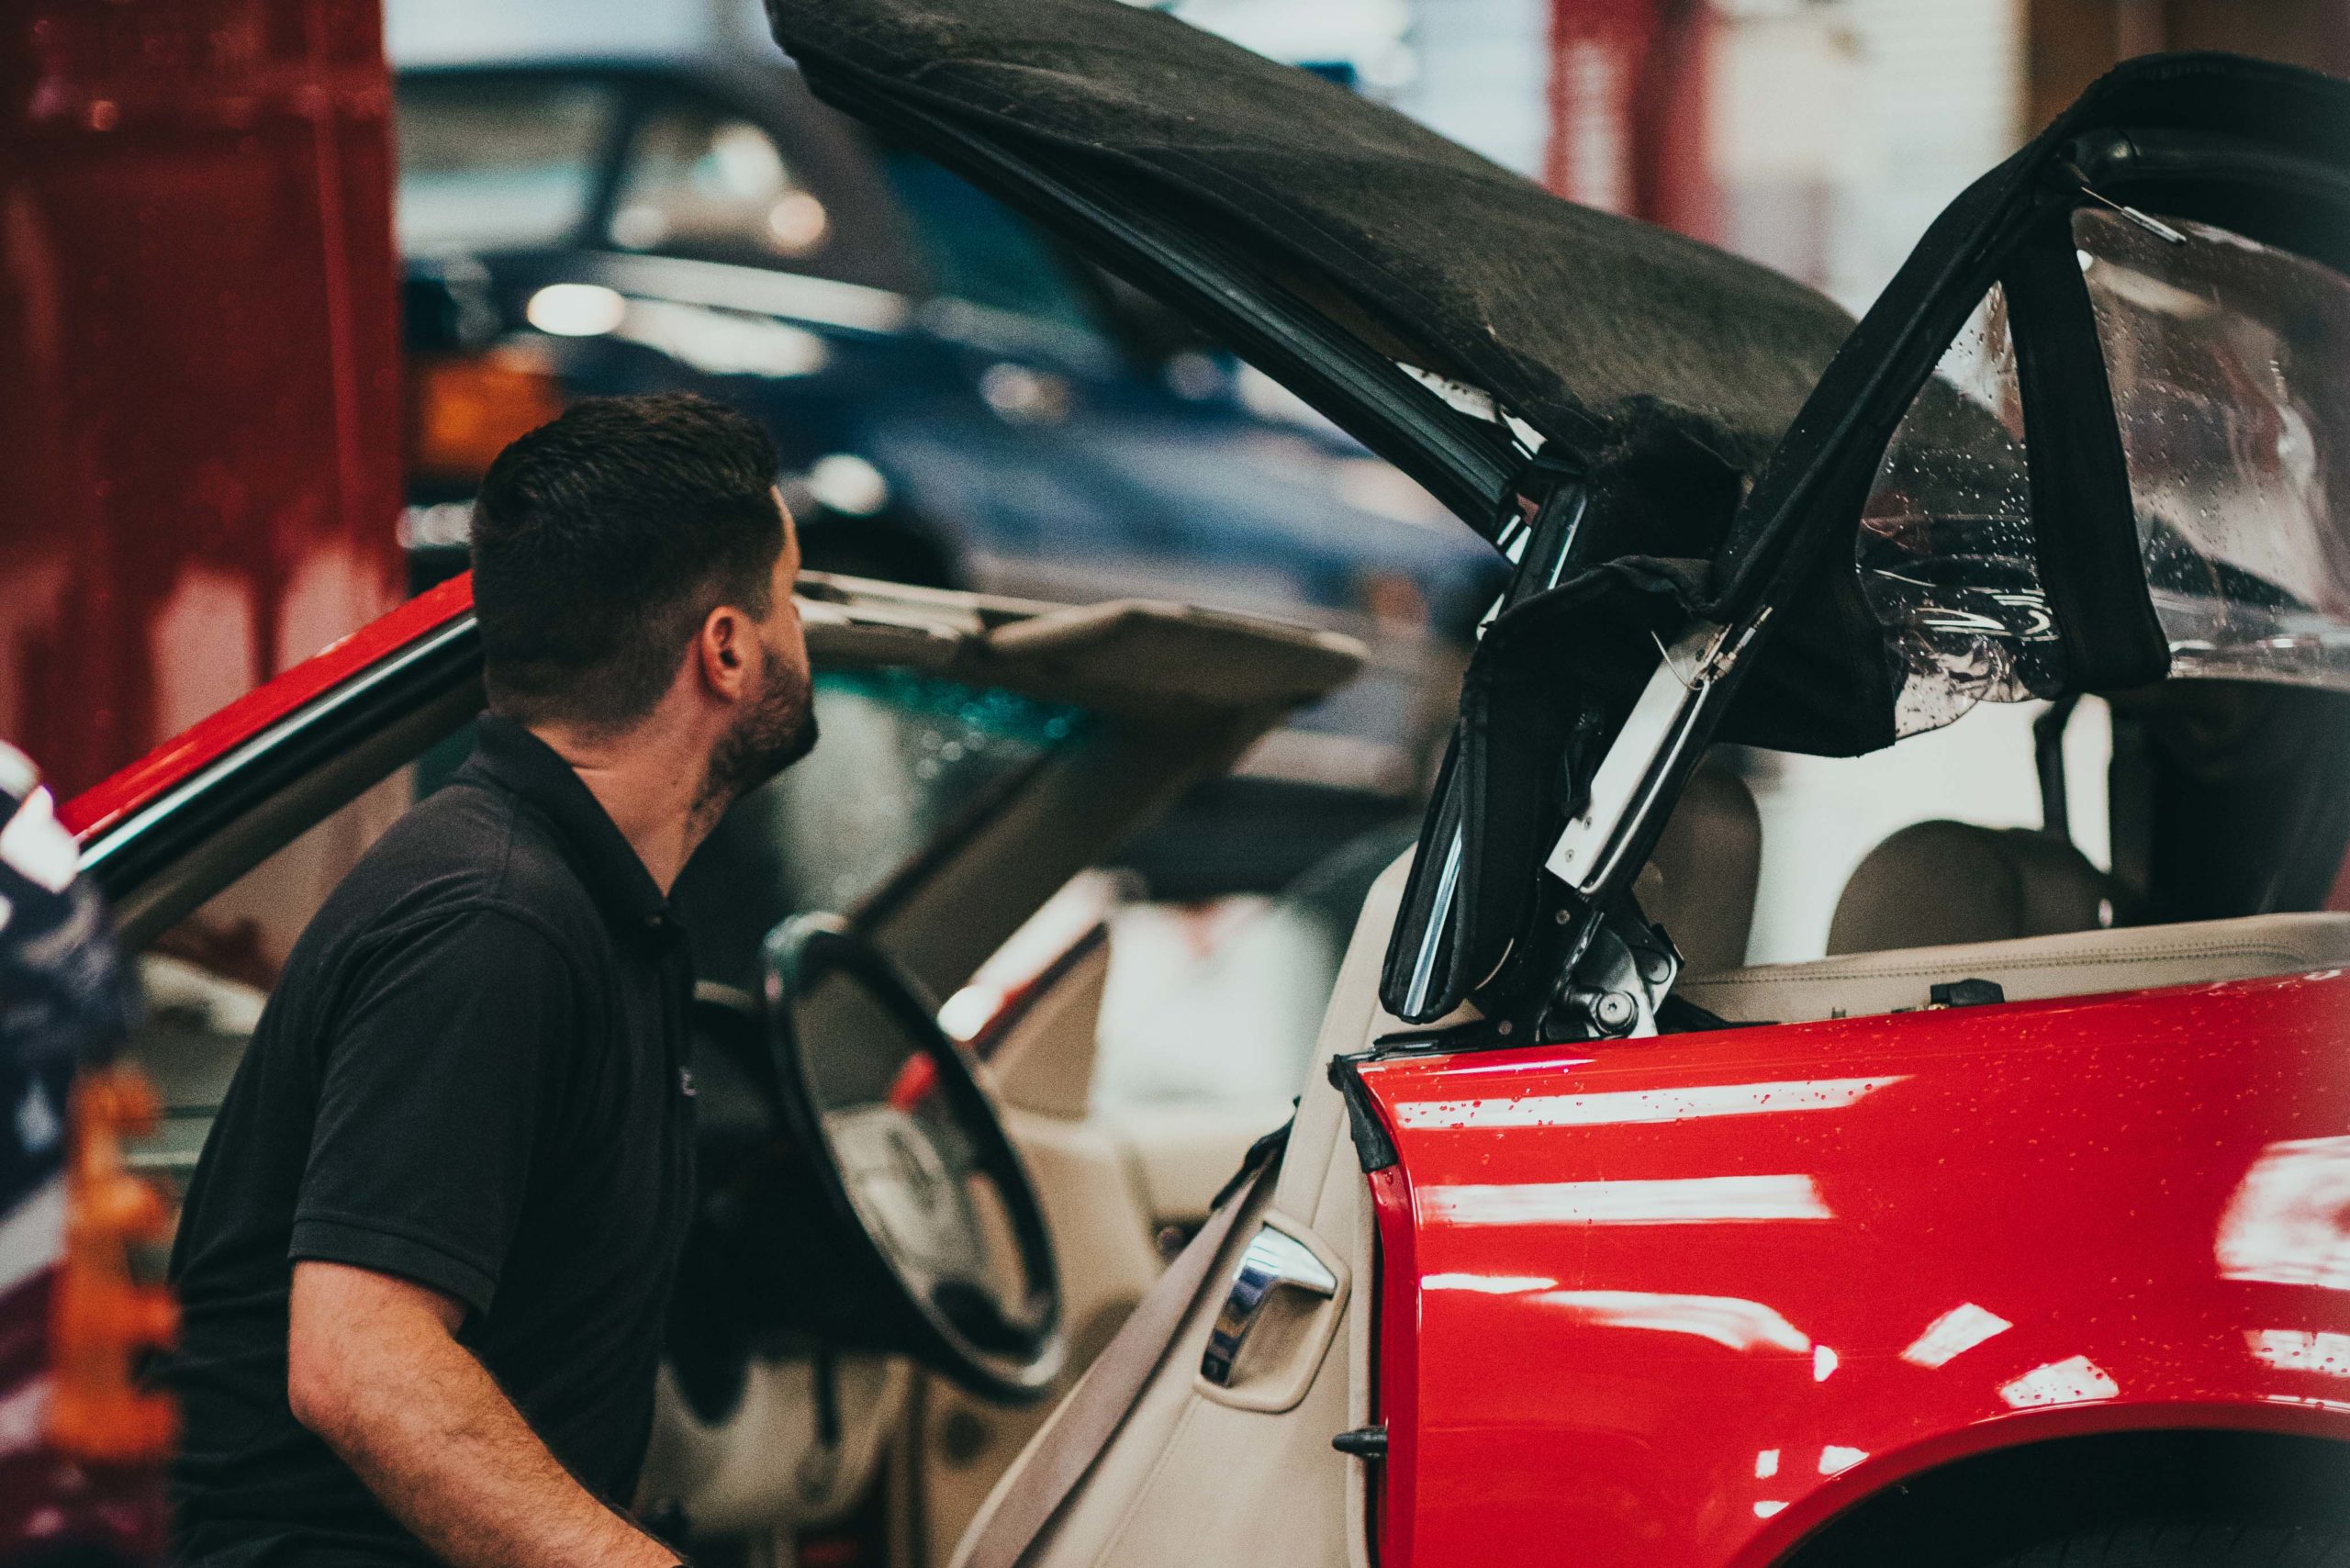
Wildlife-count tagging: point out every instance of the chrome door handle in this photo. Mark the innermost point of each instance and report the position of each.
(1274, 1259)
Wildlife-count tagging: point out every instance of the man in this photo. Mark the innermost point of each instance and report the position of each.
(426, 1257)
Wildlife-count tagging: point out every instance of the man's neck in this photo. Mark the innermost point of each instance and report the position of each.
(653, 786)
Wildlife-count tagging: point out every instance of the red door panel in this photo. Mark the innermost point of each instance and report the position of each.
(1677, 1302)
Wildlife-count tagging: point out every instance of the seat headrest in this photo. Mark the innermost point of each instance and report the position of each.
(1934, 884)
(1699, 883)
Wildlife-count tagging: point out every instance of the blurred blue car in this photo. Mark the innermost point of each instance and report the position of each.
(958, 399)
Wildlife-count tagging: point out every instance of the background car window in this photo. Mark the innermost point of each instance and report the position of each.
(696, 180)
(980, 251)
(488, 164)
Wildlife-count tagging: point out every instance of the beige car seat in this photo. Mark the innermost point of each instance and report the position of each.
(1935, 883)
(2082, 963)
(1943, 901)
(1699, 883)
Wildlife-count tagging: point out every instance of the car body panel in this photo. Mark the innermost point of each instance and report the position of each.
(180, 758)
(1681, 1301)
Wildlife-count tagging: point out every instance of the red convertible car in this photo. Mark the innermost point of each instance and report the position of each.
(2018, 1229)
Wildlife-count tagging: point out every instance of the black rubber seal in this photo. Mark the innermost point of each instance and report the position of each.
(1374, 1150)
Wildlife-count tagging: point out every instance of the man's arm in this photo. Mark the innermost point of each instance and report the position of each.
(375, 1369)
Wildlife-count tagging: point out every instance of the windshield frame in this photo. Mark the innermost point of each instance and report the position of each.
(2277, 181)
(2188, 176)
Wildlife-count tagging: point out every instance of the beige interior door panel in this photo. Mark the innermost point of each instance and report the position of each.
(1045, 1063)
(1184, 1154)
(1104, 1246)
(1200, 1472)
(1267, 1339)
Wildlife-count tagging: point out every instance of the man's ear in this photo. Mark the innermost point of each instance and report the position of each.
(723, 650)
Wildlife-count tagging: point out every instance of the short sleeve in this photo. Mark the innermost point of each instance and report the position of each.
(434, 1090)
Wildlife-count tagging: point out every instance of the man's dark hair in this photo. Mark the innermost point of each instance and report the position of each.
(604, 538)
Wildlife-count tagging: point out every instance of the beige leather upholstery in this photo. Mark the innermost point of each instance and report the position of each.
(1045, 1061)
(1199, 1474)
(1699, 882)
(1938, 883)
(2078, 964)
(1183, 1155)
(1262, 1454)
(1101, 1221)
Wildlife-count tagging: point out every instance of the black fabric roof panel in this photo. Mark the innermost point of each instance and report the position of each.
(1571, 316)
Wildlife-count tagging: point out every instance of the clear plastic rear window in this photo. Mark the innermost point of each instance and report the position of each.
(2227, 364)
(1945, 551)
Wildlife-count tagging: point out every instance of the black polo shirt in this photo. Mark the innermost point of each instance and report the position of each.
(472, 1075)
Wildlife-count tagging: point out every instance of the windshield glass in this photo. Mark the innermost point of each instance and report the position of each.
(488, 164)
(905, 759)
(2226, 361)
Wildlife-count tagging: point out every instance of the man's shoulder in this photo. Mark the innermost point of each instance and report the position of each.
(462, 853)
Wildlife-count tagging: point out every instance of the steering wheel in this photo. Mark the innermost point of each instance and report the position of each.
(948, 1255)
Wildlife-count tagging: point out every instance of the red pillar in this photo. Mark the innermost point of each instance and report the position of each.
(199, 358)
(1628, 110)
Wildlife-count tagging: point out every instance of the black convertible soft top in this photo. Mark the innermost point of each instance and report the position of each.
(1711, 432)
(1723, 422)
(1571, 318)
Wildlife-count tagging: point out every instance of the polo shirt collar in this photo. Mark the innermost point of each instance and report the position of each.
(509, 756)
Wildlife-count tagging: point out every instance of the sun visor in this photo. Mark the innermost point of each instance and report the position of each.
(1130, 655)
(1568, 316)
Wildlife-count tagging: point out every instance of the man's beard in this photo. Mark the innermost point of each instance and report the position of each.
(779, 729)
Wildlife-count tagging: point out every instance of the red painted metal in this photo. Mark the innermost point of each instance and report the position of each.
(1396, 1390)
(1629, 91)
(1679, 1302)
(199, 359)
(213, 737)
